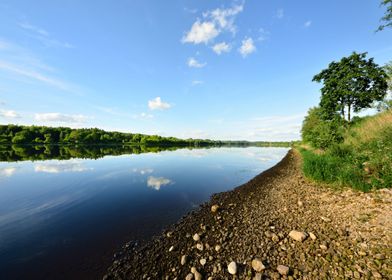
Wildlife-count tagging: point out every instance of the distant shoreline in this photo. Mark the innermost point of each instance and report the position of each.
(254, 221)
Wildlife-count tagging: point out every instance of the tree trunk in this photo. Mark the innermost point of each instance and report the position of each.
(349, 113)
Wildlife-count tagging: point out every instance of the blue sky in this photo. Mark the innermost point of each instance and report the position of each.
(207, 68)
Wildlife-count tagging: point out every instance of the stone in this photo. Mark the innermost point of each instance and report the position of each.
(257, 276)
(189, 276)
(203, 262)
(300, 203)
(171, 248)
(218, 248)
(232, 268)
(196, 237)
(193, 269)
(197, 275)
(257, 265)
(283, 270)
(214, 208)
(323, 247)
(184, 259)
(297, 235)
(312, 236)
(200, 246)
(275, 237)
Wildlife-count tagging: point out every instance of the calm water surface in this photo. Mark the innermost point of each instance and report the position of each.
(65, 219)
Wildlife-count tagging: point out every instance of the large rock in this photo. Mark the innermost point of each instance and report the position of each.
(297, 235)
(232, 268)
(257, 265)
(283, 270)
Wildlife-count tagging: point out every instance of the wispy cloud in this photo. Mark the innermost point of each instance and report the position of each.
(192, 62)
(63, 118)
(43, 36)
(9, 114)
(143, 171)
(247, 47)
(143, 116)
(197, 82)
(221, 48)
(280, 13)
(21, 63)
(158, 104)
(308, 23)
(7, 171)
(214, 22)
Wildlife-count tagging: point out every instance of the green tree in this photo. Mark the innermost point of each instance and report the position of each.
(351, 84)
(387, 18)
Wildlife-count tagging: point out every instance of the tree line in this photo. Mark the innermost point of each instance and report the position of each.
(17, 134)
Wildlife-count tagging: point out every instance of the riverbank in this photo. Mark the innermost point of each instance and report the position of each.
(347, 234)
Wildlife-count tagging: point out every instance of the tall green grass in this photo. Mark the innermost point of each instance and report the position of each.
(363, 161)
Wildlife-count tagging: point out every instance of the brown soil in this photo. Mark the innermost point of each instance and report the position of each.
(353, 233)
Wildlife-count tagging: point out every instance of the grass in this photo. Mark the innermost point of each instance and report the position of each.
(363, 161)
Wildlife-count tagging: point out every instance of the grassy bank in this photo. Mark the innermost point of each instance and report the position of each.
(363, 160)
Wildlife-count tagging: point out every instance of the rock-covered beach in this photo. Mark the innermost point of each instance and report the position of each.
(279, 225)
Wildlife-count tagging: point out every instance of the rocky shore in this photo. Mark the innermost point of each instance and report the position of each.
(277, 226)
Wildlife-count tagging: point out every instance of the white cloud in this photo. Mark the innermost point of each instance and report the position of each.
(280, 13)
(308, 23)
(221, 48)
(201, 32)
(192, 62)
(215, 22)
(247, 47)
(197, 82)
(157, 182)
(225, 17)
(9, 114)
(264, 34)
(58, 117)
(158, 104)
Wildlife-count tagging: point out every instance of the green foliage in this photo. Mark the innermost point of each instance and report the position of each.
(364, 162)
(319, 132)
(63, 135)
(351, 84)
(387, 18)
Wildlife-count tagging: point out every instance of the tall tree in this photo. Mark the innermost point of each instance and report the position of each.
(387, 18)
(351, 84)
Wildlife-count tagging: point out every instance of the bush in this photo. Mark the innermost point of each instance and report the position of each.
(319, 132)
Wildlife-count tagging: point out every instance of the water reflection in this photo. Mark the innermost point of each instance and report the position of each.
(69, 212)
(157, 182)
(7, 171)
(57, 167)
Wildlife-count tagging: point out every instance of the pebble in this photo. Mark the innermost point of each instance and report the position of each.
(203, 262)
(257, 265)
(300, 203)
(257, 276)
(283, 270)
(197, 275)
(214, 208)
(184, 259)
(312, 236)
(297, 235)
(232, 268)
(189, 276)
(193, 269)
(217, 248)
(200, 246)
(196, 237)
(323, 247)
(171, 248)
